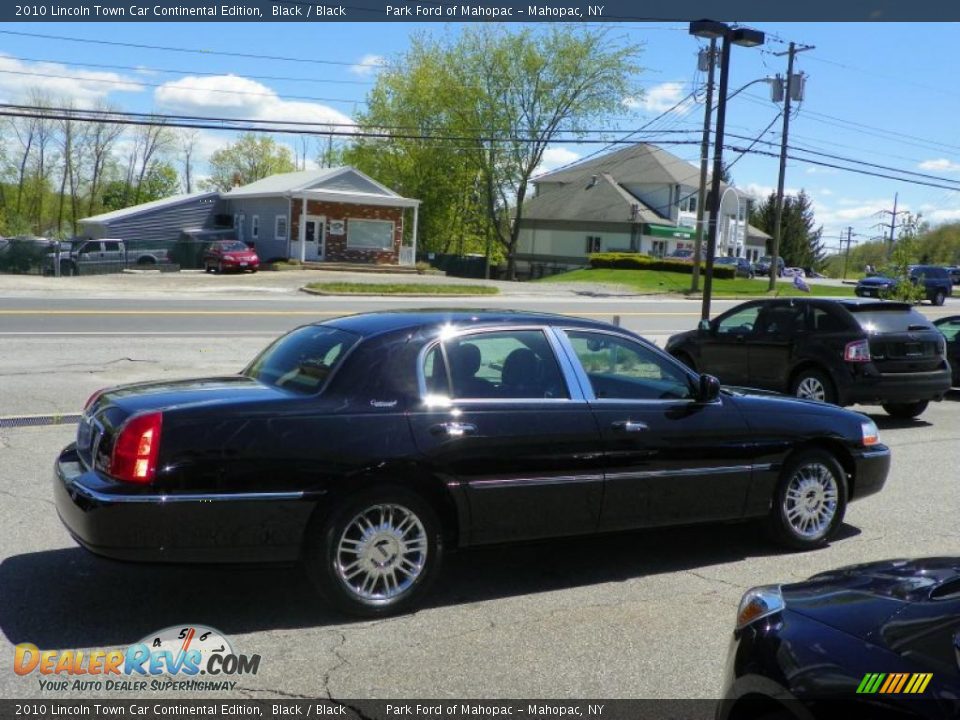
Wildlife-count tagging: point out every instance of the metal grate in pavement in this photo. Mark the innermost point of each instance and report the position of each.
(38, 420)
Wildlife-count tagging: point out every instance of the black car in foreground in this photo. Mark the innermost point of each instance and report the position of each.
(366, 446)
(936, 282)
(840, 351)
(950, 327)
(875, 641)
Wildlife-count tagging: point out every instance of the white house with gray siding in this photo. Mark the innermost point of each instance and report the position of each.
(637, 199)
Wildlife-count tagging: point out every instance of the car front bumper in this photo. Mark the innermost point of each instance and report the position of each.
(871, 467)
(125, 522)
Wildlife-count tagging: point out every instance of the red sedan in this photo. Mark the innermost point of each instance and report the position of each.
(227, 255)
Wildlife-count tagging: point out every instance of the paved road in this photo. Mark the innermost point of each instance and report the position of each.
(634, 615)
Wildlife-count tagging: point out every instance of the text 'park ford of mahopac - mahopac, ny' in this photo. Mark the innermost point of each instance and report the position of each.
(494, 12)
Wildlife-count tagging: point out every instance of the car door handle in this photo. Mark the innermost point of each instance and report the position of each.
(630, 426)
(454, 429)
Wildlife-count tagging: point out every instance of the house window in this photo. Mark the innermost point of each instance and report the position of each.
(369, 234)
(280, 227)
(255, 227)
(688, 204)
(659, 248)
(593, 243)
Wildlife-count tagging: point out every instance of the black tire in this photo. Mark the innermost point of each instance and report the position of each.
(325, 555)
(813, 384)
(68, 270)
(208, 268)
(906, 411)
(686, 360)
(939, 298)
(146, 260)
(812, 476)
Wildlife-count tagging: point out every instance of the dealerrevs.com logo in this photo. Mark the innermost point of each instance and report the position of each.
(180, 657)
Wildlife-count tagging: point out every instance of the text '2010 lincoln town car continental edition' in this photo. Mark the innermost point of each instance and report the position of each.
(367, 446)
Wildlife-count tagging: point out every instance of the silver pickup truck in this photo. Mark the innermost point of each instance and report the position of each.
(100, 256)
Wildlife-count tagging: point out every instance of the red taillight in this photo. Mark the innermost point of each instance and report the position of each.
(92, 399)
(137, 446)
(857, 351)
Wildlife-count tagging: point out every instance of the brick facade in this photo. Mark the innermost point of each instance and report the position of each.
(336, 245)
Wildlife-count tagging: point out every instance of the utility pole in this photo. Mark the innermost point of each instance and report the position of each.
(778, 218)
(704, 162)
(893, 222)
(846, 257)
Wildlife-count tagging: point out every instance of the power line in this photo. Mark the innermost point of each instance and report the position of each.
(168, 71)
(169, 48)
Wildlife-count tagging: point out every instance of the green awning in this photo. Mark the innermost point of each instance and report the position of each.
(669, 231)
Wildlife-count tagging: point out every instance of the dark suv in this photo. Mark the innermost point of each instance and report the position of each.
(936, 282)
(842, 351)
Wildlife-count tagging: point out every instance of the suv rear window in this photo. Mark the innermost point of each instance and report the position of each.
(890, 318)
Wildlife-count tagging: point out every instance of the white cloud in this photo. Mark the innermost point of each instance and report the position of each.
(815, 170)
(762, 192)
(84, 87)
(661, 98)
(554, 157)
(940, 165)
(239, 97)
(368, 65)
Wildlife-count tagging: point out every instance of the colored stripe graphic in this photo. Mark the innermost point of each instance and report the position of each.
(894, 683)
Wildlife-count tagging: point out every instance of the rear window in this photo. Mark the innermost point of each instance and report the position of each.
(303, 359)
(892, 318)
(233, 246)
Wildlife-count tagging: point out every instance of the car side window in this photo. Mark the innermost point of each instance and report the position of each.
(823, 321)
(740, 322)
(781, 321)
(621, 369)
(511, 364)
(950, 330)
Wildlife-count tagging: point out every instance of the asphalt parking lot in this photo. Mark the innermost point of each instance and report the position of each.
(639, 615)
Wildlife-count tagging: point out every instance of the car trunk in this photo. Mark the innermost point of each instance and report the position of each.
(98, 427)
(901, 339)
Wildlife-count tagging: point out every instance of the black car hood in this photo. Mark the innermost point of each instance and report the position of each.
(861, 599)
(164, 395)
(754, 400)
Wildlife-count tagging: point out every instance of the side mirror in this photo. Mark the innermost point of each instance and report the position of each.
(704, 326)
(709, 389)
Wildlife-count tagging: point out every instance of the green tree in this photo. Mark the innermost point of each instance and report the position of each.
(252, 157)
(801, 243)
(500, 97)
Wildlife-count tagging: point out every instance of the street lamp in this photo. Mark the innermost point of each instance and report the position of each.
(746, 37)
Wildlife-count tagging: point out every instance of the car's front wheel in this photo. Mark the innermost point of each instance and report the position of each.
(906, 410)
(813, 384)
(810, 500)
(377, 552)
(939, 298)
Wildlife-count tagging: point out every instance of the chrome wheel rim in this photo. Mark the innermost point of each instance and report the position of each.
(810, 504)
(810, 388)
(381, 553)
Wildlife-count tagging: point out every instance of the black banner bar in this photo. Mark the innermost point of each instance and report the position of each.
(478, 11)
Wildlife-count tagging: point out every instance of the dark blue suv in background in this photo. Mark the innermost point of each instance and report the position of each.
(935, 280)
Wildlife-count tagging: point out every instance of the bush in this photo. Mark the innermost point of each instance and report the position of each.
(22, 256)
(639, 261)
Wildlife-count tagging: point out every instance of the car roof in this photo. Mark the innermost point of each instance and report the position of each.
(377, 323)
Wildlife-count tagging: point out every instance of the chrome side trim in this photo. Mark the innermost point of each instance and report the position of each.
(535, 481)
(687, 472)
(98, 496)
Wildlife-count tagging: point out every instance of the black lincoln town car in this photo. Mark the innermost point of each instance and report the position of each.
(880, 640)
(366, 446)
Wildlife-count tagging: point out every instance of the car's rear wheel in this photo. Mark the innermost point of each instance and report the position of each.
(813, 384)
(939, 298)
(377, 553)
(810, 501)
(906, 410)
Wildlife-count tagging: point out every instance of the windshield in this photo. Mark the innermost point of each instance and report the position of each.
(876, 319)
(232, 246)
(303, 359)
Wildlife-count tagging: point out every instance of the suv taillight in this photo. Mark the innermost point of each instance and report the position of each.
(137, 446)
(857, 351)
